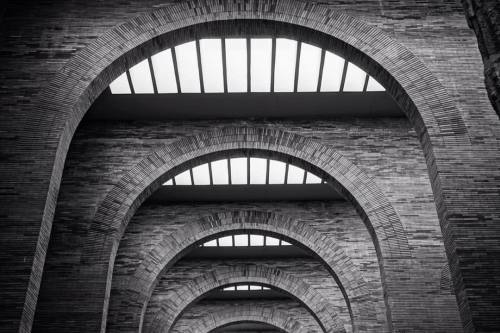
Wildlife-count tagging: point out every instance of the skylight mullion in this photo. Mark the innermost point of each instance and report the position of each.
(344, 73)
(321, 66)
(286, 173)
(200, 68)
(173, 181)
(297, 63)
(176, 70)
(230, 181)
(366, 82)
(210, 173)
(132, 90)
(304, 178)
(191, 174)
(267, 171)
(273, 63)
(153, 79)
(224, 64)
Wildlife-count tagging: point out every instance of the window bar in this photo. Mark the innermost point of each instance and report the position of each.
(249, 61)
(267, 171)
(273, 62)
(173, 181)
(153, 79)
(344, 73)
(265, 240)
(217, 241)
(129, 78)
(224, 69)
(249, 240)
(229, 181)
(297, 62)
(191, 174)
(305, 176)
(366, 82)
(200, 70)
(321, 65)
(176, 70)
(286, 174)
(233, 241)
(210, 173)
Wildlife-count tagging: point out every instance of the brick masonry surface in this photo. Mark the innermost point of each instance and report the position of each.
(38, 38)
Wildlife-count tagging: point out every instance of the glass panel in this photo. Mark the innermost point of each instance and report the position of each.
(187, 65)
(239, 171)
(266, 288)
(260, 64)
(168, 182)
(226, 241)
(253, 287)
(373, 85)
(284, 68)
(258, 169)
(220, 174)
(240, 240)
(141, 78)
(163, 66)
(271, 241)
(295, 175)
(285, 243)
(310, 60)
(236, 64)
(256, 240)
(212, 243)
(242, 287)
(312, 179)
(277, 172)
(232, 288)
(211, 65)
(120, 85)
(183, 178)
(201, 175)
(355, 78)
(332, 72)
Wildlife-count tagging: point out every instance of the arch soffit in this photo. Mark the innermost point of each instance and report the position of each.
(172, 307)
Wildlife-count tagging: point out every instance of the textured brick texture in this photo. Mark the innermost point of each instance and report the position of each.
(57, 57)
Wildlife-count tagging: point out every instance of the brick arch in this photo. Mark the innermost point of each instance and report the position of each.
(67, 98)
(178, 300)
(131, 293)
(246, 313)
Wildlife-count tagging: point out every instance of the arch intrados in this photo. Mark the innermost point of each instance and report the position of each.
(254, 274)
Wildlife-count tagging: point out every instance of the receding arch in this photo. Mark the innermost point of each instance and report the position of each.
(246, 313)
(64, 102)
(173, 306)
(139, 285)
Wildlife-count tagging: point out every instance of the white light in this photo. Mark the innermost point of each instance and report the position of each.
(220, 175)
(242, 287)
(260, 64)
(271, 241)
(240, 240)
(355, 78)
(239, 171)
(230, 288)
(333, 68)
(253, 287)
(276, 172)
(120, 85)
(284, 68)
(226, 241)
(258, 168)
(310, 62)
(201, 175)
(168, 183)
(256, 240)
(266, 288)
(236, 64)
(187, 65)
(373, 85)
(283, 243)
(212, 243)
(140, 76)
(295, 175)
(183, 178)
(211, 65)
(312, 179)
(163, 66)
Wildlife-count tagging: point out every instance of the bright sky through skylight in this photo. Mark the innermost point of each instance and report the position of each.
(373, 85)
(333, 68)
(236, 64)
(295, 175)
(183, 178)
(354, 79)
(277, 172)
(120, 85)
(312, 179)
(310, 59)
(260, 64)
(245, 240)
(163, 66)
(140, 76)
(211, 64)
(239, 171)
(220, 174)
(284, 68)
(187, 64)
(258, 169)
(201, 175)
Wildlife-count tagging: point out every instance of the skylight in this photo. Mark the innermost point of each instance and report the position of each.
(244, 171)
(310, 59)
(260, 64)
(187, 64)
(333, 69)
(373, 85)
(120, 85)
(163, 67)
(141, 78)
(245, 287)
(236, 64)
(245, 240)
(211, 64)
(354, 79)
(284, 72)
